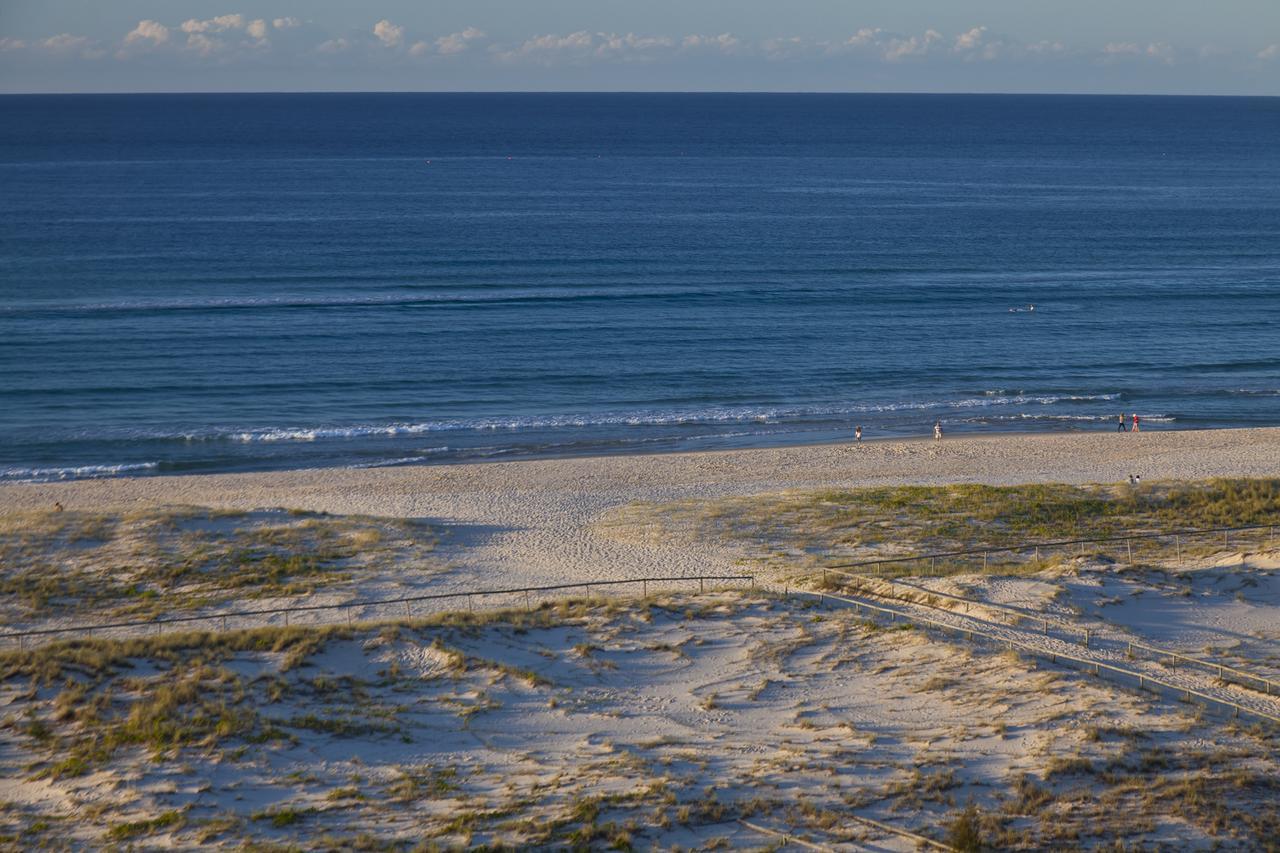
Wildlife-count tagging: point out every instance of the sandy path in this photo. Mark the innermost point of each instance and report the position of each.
(534, 522)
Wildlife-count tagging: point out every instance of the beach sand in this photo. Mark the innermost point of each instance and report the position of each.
(710, 720)
(537, 522)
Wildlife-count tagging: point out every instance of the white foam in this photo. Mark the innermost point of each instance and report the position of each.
(709, 415)
(82, 472)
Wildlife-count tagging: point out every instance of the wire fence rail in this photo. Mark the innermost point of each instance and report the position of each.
(1142, 679)
(1225, 672)
(1038, 548)
(401, 607)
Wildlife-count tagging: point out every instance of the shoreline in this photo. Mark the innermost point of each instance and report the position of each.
(541, 521)
(592, 454)
(16, 493)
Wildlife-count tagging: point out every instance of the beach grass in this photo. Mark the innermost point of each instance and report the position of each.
(811, 528)
(231, 714)
(140, 564)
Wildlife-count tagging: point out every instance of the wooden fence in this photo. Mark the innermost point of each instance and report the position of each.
(401, 607)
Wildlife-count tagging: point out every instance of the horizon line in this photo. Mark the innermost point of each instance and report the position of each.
(779, 92)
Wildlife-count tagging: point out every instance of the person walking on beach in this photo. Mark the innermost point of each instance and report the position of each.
(937, 429)
(857, 433)
(1120, 423)
(1135, 422)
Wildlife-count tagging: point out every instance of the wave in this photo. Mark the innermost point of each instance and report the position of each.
(422, 456)
(417, 299)
(1037, 416)
(710, 415)
(81, 472)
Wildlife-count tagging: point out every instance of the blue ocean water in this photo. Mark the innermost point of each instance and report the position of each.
(227, 282)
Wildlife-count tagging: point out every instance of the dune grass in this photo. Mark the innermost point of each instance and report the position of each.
(811, 528)
(147, 562)
(189, 696)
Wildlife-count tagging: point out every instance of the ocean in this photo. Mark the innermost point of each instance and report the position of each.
(207, 283)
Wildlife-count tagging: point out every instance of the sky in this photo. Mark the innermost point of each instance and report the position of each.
(1227, 47)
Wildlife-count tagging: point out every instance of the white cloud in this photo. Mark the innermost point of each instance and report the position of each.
(549, 47)
(893, 47)
(203, 45)
(337, 45)
(785, 48)
(631, 45)
(286, 23)
(1270, 52)
(978, 44)
(1156, 50)
(220, 24)
(456, 42)
(584, 46)
(257, 29)
(724, 43)
(971, 40)
(898, 49)
(65, 42)
(148, 30)
(11, 44)
(388, 33)
(1046, 47)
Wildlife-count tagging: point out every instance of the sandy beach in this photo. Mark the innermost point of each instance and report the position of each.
(870, 718)
(535, 522)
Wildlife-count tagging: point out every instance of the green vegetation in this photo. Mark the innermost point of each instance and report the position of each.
(196, 701)
(142, 563)
(149, 826)
(812, 528)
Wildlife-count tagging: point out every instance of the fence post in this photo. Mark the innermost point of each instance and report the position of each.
(348, 609)
(701, 586)
(1037, 553)
(286, 618)
(1177, 541)
(406, 610)
(224, 623)
(933, 566)
(984, 561)
(1129, 544)
(1226, 541)
(644, 588)
(527, 608)
(1086, 638)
